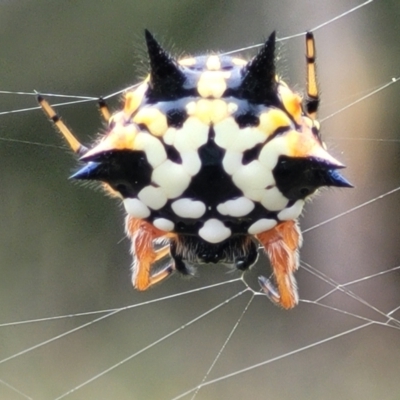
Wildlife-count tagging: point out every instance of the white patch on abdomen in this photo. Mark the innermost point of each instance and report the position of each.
(273, 200)
(229, 136)
(262, 225)
(172, 178)
(252, 179)
(153, 148)
(236, 208)
(164, 224)
(214, 231)
(188, 208)
(232, 162)
(136, 208)
(153, 197)
(292, 212)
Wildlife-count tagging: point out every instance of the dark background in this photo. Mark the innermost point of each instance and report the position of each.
(60, 243)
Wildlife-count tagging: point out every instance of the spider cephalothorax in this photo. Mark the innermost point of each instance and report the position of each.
(212, 156)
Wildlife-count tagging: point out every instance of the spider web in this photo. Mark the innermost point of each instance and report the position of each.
(73, 328)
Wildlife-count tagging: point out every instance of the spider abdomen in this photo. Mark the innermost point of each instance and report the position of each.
(212, 156)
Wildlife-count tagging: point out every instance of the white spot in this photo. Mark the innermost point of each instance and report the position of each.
(155, 151)
(213, 63)
(164, 224)
(232, 108)
(273, 200)
(192, 135)
(172, 178)
(191, 108)
(236, 208)
(169, 136)
(136, 208)
(262, 225)
(232, 162)
(272, 150)
(292, 212)
(214, 231)
(252, 179)
(187, 208)
(153, 197)
(229, 136)
(212, 83)
(191, 162)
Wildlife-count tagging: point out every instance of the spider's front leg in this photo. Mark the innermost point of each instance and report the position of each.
(142, 235)
(281, 244)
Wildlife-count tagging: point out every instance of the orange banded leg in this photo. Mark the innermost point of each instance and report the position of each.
(142, 235)
(69, 137)
(104, 111)
(281, 244)
(312, 99)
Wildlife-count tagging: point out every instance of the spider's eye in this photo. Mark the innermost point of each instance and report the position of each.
(121, 187)
(305, 191)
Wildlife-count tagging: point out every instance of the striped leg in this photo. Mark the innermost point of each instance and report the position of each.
(142, 235)
(281, 244)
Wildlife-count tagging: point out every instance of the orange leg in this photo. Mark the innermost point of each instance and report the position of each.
(142, 235)
(281, 244)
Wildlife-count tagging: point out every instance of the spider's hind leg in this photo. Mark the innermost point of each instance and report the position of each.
(281, 244)
(142, 235)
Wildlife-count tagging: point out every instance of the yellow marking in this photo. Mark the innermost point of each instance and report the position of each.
(292, 102)
(312, 86)
(120, 138)
(306, 145)
(134, 99)
(211, 111)
(310, 46)
(317, 124)
(212, 83)
(118, 118)
(312, 89)
(154, 119)
(105, 113)
(187, 62)
(73, 142)
(239, 62)
(273, 119)
(213, 63)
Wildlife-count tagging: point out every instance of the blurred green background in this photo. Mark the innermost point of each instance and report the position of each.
(61, 251)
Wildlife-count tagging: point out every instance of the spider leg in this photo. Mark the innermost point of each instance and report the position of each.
(161, 253)
(104, 110)
(142, 235)
(281, 244)
(312, 99)
(72, 141)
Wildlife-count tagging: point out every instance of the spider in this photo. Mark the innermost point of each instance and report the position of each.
(212, 157)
